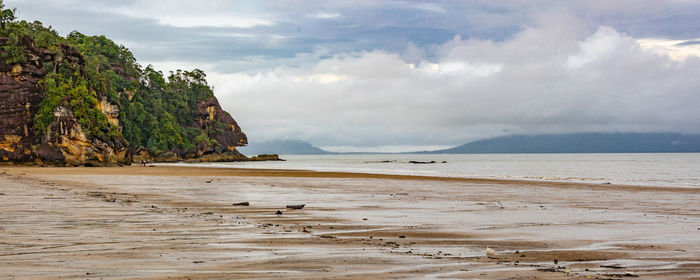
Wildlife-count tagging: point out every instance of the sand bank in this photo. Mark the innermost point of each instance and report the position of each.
(179, 222)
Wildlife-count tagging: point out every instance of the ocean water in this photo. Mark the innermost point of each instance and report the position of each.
(673, 170)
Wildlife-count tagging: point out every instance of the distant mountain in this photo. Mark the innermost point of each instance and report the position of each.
(582, 143)
(282, 147)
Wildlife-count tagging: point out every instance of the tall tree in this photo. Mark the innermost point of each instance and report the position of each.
(6, 15)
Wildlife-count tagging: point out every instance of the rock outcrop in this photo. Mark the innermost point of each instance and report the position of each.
(20, 94)
(63, 142)
(266, 157)
(84, 100)
(67, 137)
(223, 130)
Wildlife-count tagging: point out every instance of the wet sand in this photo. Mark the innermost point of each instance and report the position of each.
(170, 222)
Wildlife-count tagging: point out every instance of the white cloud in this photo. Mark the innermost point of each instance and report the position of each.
(431, 7)
(213, 21)
(471, 89)
(460, 68)
(191, 13)
(603, 44)
(324, 15)
(675, 49)
(321, 78)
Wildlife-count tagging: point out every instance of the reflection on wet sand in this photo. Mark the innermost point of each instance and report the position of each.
(180, 222)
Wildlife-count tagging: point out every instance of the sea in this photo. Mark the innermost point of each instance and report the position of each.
(646, 169)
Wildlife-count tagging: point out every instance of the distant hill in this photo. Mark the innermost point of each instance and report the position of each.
(582, 143)
(282, 147)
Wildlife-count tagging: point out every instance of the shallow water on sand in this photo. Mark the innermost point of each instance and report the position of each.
(675, 170)
(175, 222)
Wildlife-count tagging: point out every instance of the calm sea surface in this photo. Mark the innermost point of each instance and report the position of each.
(678, 170)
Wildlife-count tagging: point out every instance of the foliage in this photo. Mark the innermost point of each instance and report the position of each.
(155, 112)
(6, 15)
(158, 113)
(12, 51)
(204, 138)
(83, 102)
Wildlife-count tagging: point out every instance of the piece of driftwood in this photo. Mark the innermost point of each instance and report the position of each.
(242, 204)
(296, 206)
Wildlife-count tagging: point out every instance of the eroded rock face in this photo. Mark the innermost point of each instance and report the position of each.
(110, 110)
(64, 142)
(66, 136)
(20, 95)
(221, 126)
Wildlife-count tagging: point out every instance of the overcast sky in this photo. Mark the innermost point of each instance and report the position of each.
(411, 75)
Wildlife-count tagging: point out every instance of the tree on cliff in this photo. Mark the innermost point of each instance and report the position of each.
(6, 15)
(99, 86)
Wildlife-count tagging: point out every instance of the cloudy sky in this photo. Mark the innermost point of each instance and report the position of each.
(412, 75)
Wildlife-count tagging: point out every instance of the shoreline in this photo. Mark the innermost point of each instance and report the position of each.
(167, 169)
(173, 222)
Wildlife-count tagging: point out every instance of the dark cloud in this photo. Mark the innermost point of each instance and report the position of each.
(147, 27)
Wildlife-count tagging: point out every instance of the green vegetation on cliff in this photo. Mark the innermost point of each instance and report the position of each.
(161, 115)
(85, 71)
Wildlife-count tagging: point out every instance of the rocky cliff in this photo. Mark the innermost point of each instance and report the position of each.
(224, 136)
(83, 100)
(64, 142)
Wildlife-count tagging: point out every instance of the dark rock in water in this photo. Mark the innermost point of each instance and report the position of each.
(615, 266)
(422, 162)
(241, 204)
(278, 212)
(272, 157)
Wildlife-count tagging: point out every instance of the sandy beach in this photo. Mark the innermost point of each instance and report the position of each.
(169, 222)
